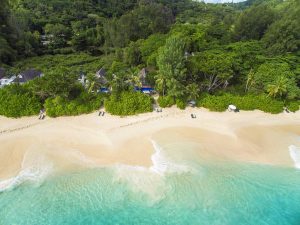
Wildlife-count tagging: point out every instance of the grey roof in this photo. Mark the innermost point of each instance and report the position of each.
(101, 72)
(28, 75)
(101, 75)
(2, 73)
(142, 75)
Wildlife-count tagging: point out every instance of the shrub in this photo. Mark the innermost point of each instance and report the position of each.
(85, 103)
(247, 102)
(294, 106)
(128, 103)
(180, 103)
(165, 101)
(16, 101)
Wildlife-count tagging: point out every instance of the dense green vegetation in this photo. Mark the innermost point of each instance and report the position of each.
(246, 102)
(245, 54)
(128, 103)
(17, 101)
(84, 103)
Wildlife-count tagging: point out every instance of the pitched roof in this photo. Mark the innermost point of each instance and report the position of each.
(28, 75)
(2, 73)
(101, 72)
(143, 73)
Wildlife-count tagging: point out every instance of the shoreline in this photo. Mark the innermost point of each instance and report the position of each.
(89, 140)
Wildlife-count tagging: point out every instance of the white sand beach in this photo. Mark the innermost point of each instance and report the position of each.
(90, 140)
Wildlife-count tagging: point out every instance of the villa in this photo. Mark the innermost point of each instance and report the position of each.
(27, 75)
(7, 81)
(146, 87)
(101, 75)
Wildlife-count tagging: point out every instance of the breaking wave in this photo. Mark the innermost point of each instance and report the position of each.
(34, 168)
(295, 155)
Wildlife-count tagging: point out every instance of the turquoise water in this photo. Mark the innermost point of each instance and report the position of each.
(210, 193)
(181, 188)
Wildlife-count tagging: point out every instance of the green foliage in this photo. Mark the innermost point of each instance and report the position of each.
(149, 48)
(253, 22)
(181, 103)
(276, 79)
(213, 68)
(171, 66)
(74, 62)
(247, 102)
(146, 19)
(128, 103)
(59, 82)
(132, 54)
(85, 103)
(166, 101)
(284, 34)
(250, 47)
(17, 101)
(293, 106)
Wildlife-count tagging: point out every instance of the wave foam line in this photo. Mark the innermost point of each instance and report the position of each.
(295, 155)
(162, 164)
(33, 169)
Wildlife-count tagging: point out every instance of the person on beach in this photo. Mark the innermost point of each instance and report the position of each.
(42, 114)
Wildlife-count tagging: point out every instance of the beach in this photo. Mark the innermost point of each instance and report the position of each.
(156, 168)
(93, 141)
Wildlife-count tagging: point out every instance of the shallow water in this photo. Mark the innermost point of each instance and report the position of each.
(178, 189)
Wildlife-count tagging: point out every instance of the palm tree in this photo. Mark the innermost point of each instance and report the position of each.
(279, 88)
(175, 88)
(93, 83)
(192, 91)
(161, 81)
(134, 79)
(250, 80)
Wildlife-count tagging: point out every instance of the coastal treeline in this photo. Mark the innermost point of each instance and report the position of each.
(215, 54)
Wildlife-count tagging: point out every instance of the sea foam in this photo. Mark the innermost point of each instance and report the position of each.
(163, 164)
(295, 155)
(34, 168)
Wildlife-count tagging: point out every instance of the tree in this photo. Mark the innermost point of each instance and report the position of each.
(192, 91)
(284, 34)
(7, 34)
(277, 79)
(134, 79)
(279, 88)
(161, 81)
(59, 82)
(93, 82)
(253, 22)
(250, 80)
(171, 64)
(214, 69)
(132, 54)
(58, 35)
(175, 88)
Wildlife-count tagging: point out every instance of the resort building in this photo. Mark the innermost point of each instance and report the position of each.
(146, 87)
(27, 75)
(7, 81)
(101, 75)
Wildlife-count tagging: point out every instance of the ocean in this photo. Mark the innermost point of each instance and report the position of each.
(178, 189)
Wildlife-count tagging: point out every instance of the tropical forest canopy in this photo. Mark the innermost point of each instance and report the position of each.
(189, 48)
